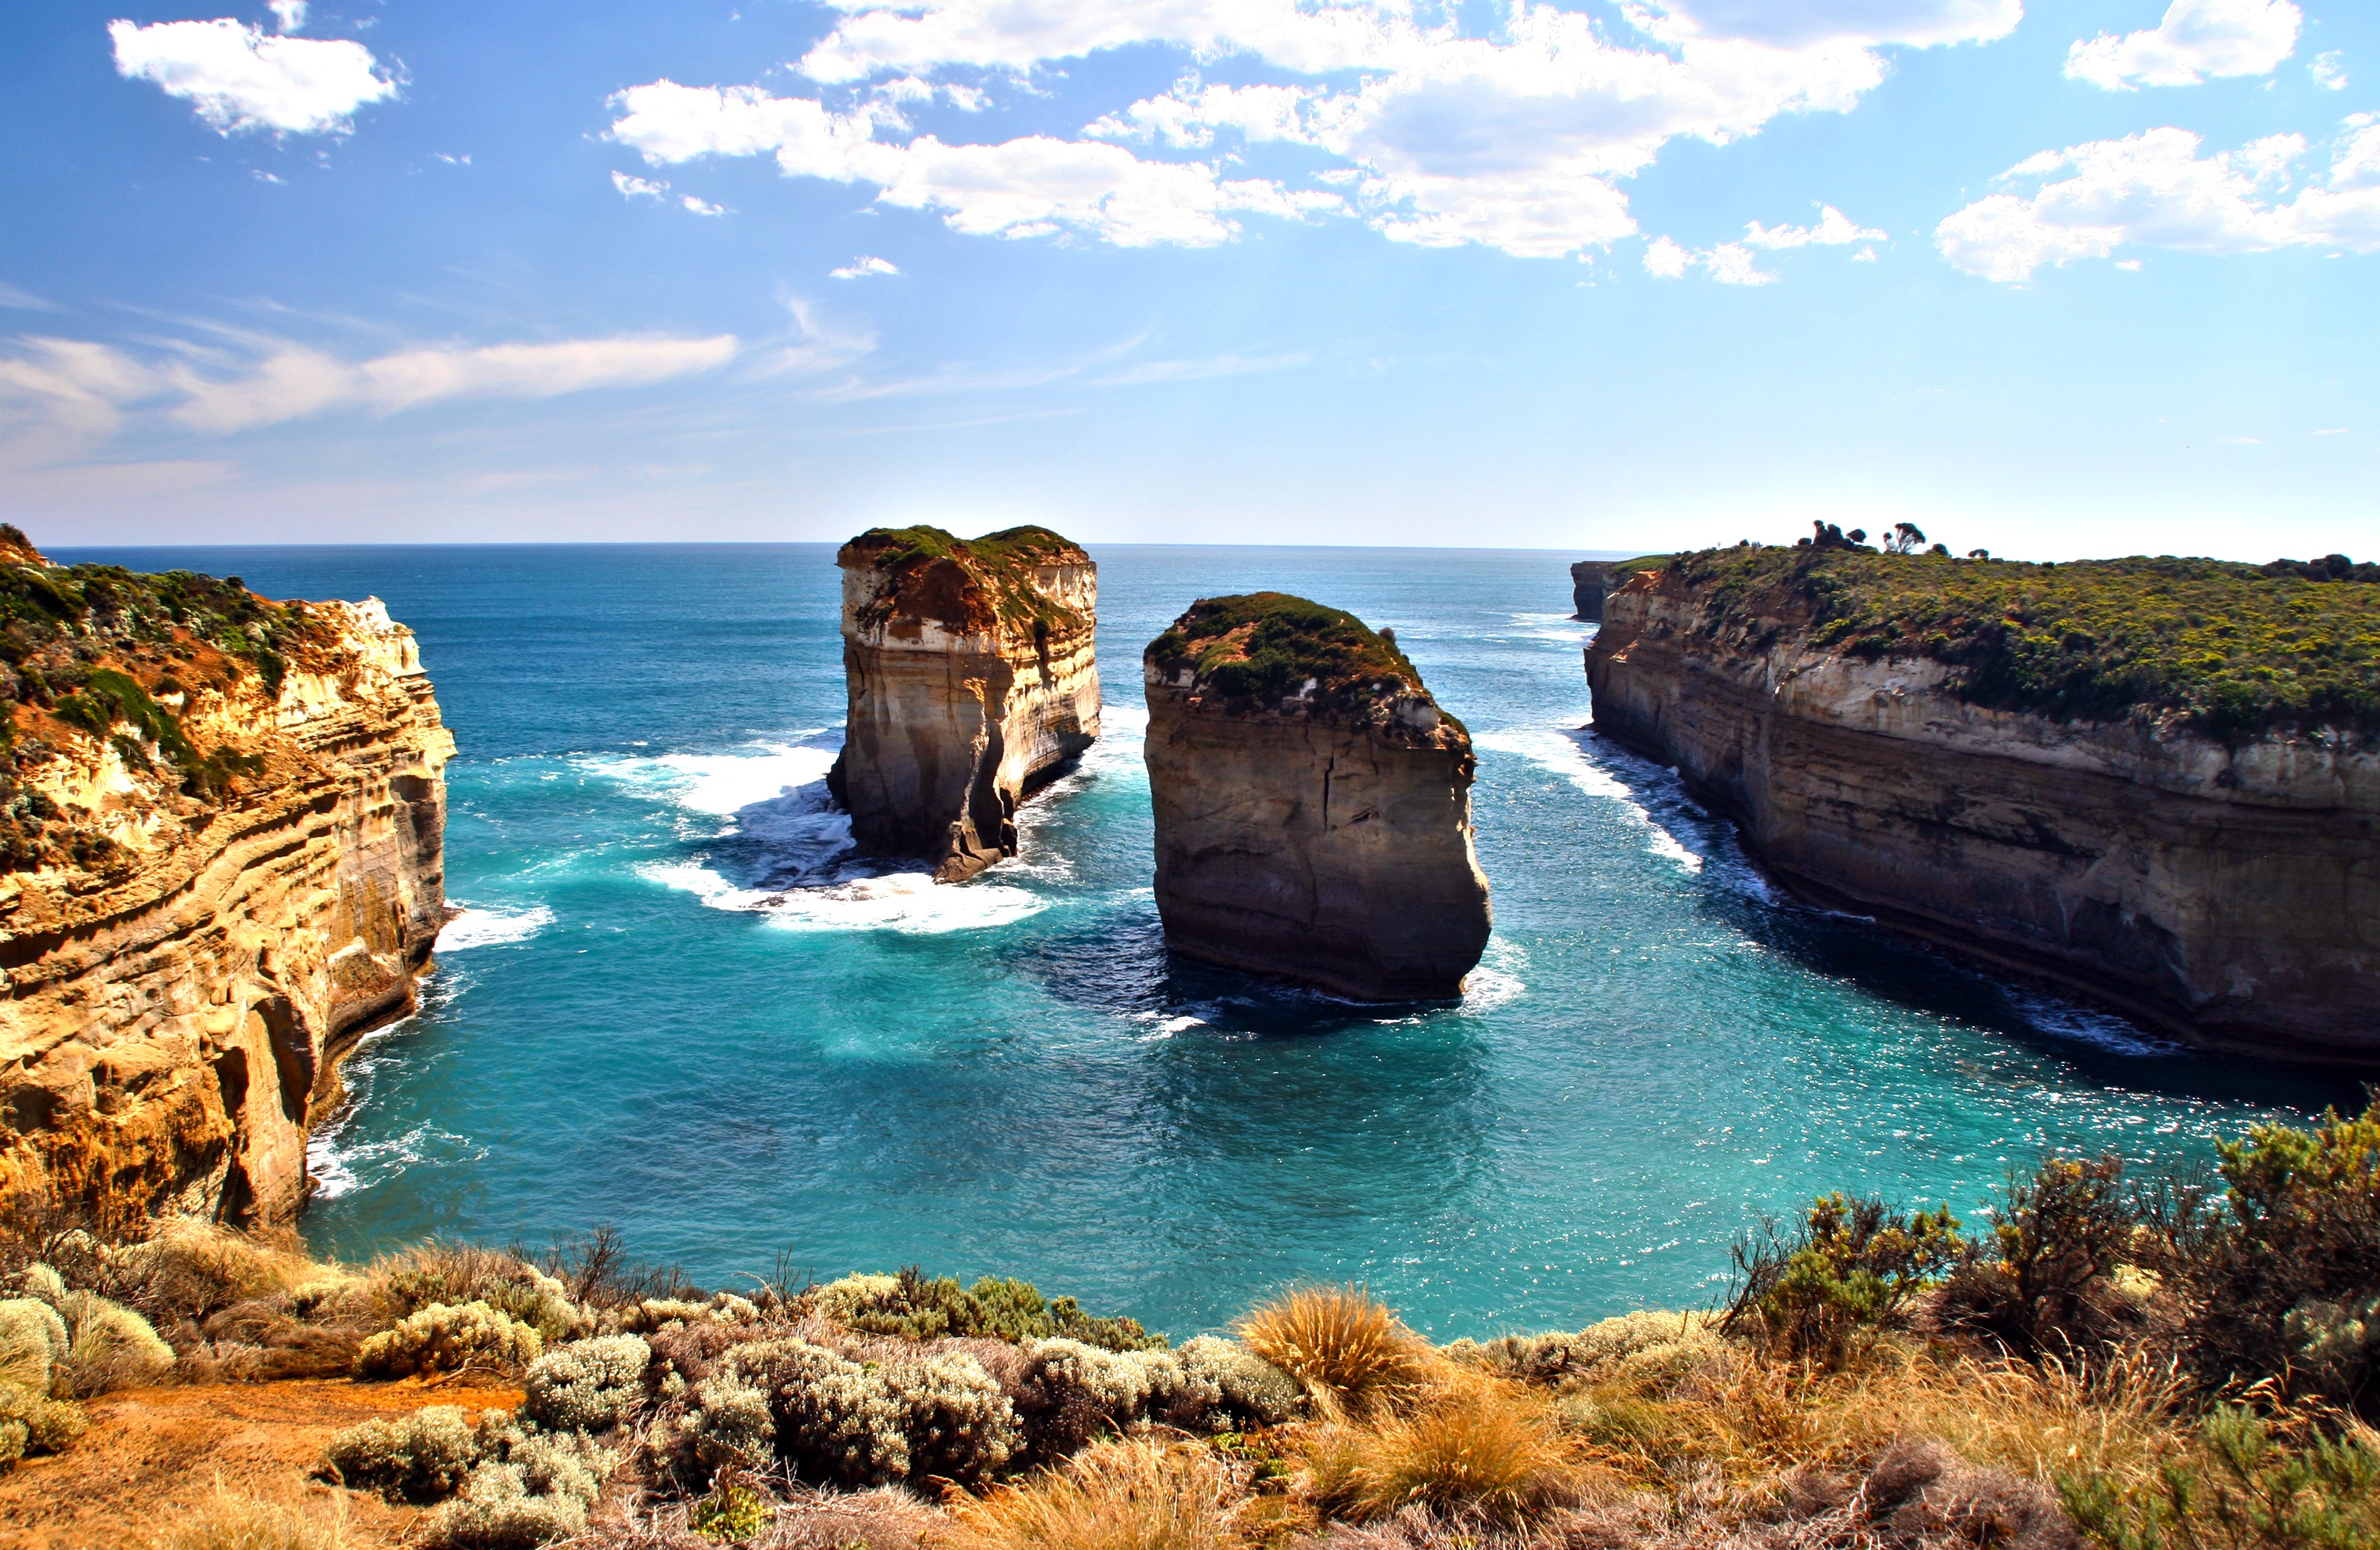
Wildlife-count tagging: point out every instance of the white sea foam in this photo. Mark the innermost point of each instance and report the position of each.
(492, 928)
(2064, 1019)
(903, 901)
(338, 1170)
(1561, 753)
(722, 785)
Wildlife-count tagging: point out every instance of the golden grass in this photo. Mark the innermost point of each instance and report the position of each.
(1475, 1444)
(1114, 1496)
(1351, 1352)
(229, 1522)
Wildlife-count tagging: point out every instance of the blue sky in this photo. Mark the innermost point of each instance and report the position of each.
(2056, 280)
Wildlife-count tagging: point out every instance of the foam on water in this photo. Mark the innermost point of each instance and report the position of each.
(1564, 754)
(903, 901)
(476, 927)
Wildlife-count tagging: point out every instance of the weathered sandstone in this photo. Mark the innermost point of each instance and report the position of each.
(177, 1002)
(1313, 803)
(2228, 892)
(972, 683)
(1586, 589)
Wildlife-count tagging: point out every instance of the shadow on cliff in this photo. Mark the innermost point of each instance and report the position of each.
(1121, 964)
(1733, 889)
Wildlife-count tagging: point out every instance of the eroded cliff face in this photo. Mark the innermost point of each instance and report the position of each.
(2229, 895)
(1316, 827)
(971, 681)
(176, 1010)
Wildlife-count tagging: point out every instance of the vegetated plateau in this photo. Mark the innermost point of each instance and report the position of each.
(2130, 1362)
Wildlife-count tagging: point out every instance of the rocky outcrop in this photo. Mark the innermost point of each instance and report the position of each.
(2226, 891)
(972, 683)
(1586, 589)
(1313, 803)
(227, 847)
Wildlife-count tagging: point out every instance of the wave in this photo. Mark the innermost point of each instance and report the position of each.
(725, 785)
(476, 927)
(338, 1171)
(1562, 753)
(903, 901)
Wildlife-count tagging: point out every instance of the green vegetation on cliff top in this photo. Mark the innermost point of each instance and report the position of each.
(1261, 647)
(2233, 650)
(1001, 564)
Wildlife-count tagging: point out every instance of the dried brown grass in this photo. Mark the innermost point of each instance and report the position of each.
(1351, 1352)
(1137, 1494)
(1488, 1448)
(228, 1520)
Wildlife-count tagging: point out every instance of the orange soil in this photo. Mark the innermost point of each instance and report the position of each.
(153, 1453)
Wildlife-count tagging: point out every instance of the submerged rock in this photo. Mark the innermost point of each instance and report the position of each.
(972, 683)
(1313, 803)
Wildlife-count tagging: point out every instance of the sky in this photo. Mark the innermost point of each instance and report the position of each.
(2053, 280)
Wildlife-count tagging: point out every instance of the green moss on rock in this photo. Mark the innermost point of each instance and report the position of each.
(2232, 650)
(971, 584)
(1259, 648)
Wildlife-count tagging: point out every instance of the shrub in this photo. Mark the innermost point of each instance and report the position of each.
(734, 1514)
(1649, 1348)
(537, 1487)
(959, 1423)
(2045, 1285)
(1350, 1351)
(2244, 1489)
(1131, 1496)
(1852, 1266)
(1253, 1390)
(913, 1306)
(454, 1274)
(1082, 1390)
(108, 1346)
(420, 1458)
(835, 1420)
(32, 1343)
(226, 1522)
(31, 1421)
(587, 1384)
(2288, 1269)
(470, 1337)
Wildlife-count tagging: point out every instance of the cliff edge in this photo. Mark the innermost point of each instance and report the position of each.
(972, 681)
(2156, 781)
(1313, 803)
(221, 825)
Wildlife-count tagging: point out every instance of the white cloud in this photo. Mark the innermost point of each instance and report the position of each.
(2329, 70)
(2198, 41)
(1834, 229)
(860, 268)
(702, 206)
(638, 188)
(1730, 264)
(1865, 255)
(25, 301)
(1514, 140)
(289, 14)
(239, 79)
(2155, 189)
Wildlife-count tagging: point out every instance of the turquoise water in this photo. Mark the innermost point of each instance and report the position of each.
(674, 1006)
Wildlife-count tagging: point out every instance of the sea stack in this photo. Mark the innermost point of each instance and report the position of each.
(1313, 803)
(972, 683)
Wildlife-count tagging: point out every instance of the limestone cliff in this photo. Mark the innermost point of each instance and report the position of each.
(222, 824)
(1899, 737)
(1586, 589)
(1313, 803)
(972, 683)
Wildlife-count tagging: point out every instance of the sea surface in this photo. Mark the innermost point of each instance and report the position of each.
(674, 1003)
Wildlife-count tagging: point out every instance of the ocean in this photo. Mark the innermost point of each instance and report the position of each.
(671, 1005)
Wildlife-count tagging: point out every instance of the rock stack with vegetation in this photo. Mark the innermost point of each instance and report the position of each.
(1313, 803)
(2103, 1360)
(2156, 780)
(221, 825)
(972, 683)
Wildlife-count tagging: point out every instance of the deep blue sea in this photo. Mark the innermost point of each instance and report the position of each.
(670, 1006)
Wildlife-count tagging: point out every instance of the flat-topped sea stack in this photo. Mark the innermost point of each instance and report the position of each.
(221, 859)
(2157, 781)
(1313, 803)
(972, 683)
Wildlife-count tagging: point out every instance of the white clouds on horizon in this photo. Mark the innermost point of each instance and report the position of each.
(1514, 141)
(239, 79)
(2197, 41)
(862, 267)
(1834, 229)
(2155, 189)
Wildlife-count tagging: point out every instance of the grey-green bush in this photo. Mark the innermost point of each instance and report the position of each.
(1254, 1391)
(836, 1421)
(31, 1421)
(440, 1338)
(586, 1385)
(420, 1458)
(32, 1342)
(536, 1486)
(957, 1421)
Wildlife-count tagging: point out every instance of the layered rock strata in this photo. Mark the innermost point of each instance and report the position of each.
(972, 683)
(1313, 803)
(255, 805)
(2228, 892)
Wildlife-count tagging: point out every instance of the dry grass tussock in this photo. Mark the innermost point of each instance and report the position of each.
(1137, 1495)
(230, 1521)
(1351, 1352)
(1474, 1444)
